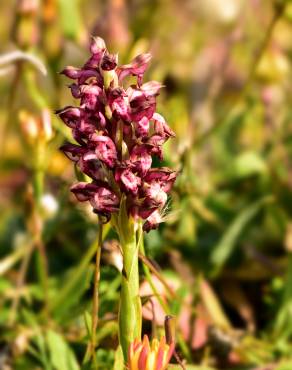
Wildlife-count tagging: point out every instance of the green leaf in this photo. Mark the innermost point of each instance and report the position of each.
(282, 324)
(119, 359)
(247, 164)
(226, 245)
(88, 323)
(71, 21)
(71, 286)
(74, 298)
(40, 352)
(109, 329)
(284, 366)
(62, 357)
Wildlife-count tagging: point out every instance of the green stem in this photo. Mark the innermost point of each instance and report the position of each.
(130, 313)
(38, 190)
(38, 185)
(19, 283)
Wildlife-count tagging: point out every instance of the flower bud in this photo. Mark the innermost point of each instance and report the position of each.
(97, 45)
(29, 126)
(36, 128)
(49, 206)
(47, 130)
(26, 30)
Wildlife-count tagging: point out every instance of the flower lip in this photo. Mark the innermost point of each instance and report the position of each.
(153, 221)
(161, 127)
(141, 158)
(142, 106)
(104, 148)
(118, 102)
(70, 115)
(128, 180)
(142, 127)
(154, 194)
(102, 198)
(83, 190)
(72, 151)
(108, 62)
(164, 175)
(105, 200)
(151, 88)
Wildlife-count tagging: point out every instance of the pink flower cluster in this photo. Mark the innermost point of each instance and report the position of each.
(118, 132)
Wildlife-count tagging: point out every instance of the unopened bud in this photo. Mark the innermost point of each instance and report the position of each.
(35, 128)
(47, 125)
(29, 125)
(97, 45)
(49, 205)
(26, 7)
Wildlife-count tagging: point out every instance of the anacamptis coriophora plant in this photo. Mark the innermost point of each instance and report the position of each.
(117, 132)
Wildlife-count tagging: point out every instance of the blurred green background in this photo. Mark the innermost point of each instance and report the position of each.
(226, 246)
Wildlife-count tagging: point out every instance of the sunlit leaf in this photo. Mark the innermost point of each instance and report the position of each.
(222, 251)
(62, 357)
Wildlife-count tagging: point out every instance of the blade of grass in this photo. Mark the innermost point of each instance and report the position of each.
(226, 245)
(78, 272)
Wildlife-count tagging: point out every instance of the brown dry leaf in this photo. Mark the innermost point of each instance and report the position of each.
(288, 238)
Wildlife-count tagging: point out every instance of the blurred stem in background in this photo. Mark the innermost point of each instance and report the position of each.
(38, 222)
(37, 132)
(10, 101)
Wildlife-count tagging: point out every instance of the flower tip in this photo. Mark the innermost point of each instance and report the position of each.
(146, 57)
(142, 59)
(58, 111)
(71, 72)
(97, 45)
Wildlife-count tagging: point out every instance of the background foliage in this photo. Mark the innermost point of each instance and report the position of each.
(225, 249)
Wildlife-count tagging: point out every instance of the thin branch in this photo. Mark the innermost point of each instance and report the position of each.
(19, 283)
(149, 265)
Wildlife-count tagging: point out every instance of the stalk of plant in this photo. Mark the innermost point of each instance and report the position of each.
(37, 133)
(117, 132)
